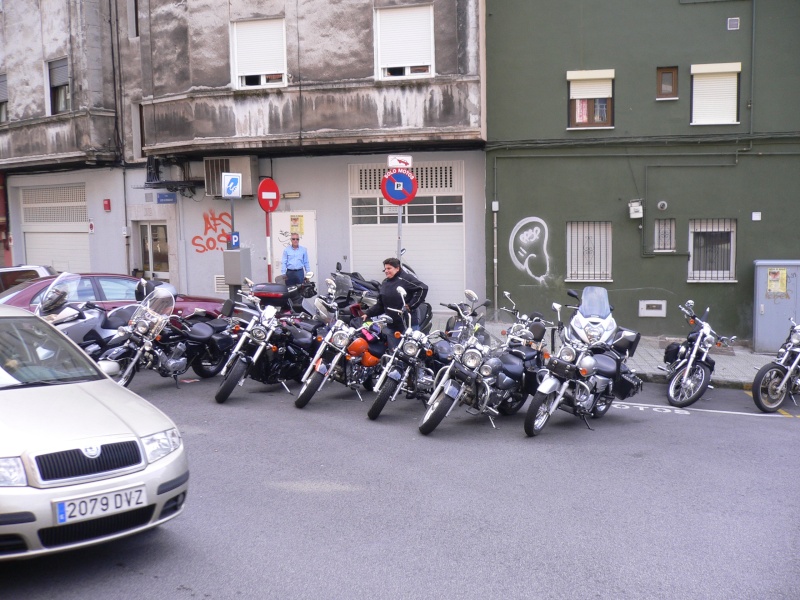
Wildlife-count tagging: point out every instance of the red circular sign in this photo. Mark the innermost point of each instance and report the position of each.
(268, 195)
(399, 186)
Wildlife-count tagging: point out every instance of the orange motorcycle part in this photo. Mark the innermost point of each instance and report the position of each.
(357, 347)
(369, 360)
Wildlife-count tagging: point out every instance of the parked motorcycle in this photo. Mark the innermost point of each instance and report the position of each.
(411, 366)
(156, 339)
(467, 321)
(689, 367)
(592, 321)
(584, 378)
(272, 349)
(780, 379)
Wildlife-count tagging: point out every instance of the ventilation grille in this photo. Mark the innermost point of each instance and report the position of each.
(220, 287)
(214, 168)
(54, 205)
(433, 178)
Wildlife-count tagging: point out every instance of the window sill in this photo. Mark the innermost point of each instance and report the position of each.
(712, 124)
(666, 99)
(712, 281)
(587, 280)
(673, 251)
(589, 128)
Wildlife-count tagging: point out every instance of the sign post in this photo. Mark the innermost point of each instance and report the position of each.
(399, 186)
(268, 196)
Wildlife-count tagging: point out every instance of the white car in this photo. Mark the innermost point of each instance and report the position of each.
(82, 459)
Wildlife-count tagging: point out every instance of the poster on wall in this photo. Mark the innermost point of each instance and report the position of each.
(776, 280)
(282, 225)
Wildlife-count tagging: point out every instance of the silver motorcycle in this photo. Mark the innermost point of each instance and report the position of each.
(780, 379)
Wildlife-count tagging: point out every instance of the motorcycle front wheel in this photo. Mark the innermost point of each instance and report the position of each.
(387, 391)
(538, 414)
(683, 393)
(512, 406)
(601, 408)
(436, 412)
(765, 387)
(230, 381)
(209, 365)
(309, 389)
(127, 371)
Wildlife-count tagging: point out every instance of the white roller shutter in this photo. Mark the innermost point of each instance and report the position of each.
(405, 36)
(714, 98)
(590, 88)
(260, 47)
(62, 251)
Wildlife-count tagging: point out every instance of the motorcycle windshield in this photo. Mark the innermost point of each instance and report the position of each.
(158, 303)
(594, 302)
(64, 288)
(344, 284)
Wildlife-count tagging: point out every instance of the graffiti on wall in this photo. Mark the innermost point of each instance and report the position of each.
(527, 246)
(216, 229)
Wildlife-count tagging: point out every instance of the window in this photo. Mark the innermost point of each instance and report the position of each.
(715, 94)
(3, 98)
(424, 209)
(404, 42)
(133, 18)
(259, 53)
(589, 251)
(59, 86)
(664, 235)
(591, 98)
(118, 288)
(712, 250)
(667, 83)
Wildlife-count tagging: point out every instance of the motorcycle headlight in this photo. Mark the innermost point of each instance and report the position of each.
(567, 353)
(259, 334)
(593, 332)
(339, 339)
(708, 341)
(410, 348)
(161, 444)
(490, 367)
(142, 327)
(795, 337)
(12, 473)
(472, 358)
(458, 349)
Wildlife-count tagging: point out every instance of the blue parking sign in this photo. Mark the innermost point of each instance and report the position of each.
(234, 240)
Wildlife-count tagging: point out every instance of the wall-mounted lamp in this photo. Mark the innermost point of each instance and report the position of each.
(635, 209)
(290, 195)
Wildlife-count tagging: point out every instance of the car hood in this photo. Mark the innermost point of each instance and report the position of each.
(45, 418)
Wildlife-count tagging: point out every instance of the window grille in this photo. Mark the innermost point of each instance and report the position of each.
(664, 235)
(712, 250)
(589, 250)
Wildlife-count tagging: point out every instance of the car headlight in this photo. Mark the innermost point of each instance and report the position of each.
(567, 353)
(472, 358)
(339, 339)
(142, 327)
(410, 348)
(12, 473)
(161, 444)
(259, 334)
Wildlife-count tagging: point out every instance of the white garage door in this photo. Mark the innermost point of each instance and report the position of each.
(55, 225)
(432, 230)
(62, 251)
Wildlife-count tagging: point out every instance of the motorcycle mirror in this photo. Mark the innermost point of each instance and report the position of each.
(573, 294)
(402, 291)
(309, 275)
(556, 306)
(689, 304)
(249, 282)
(338, 266)
(487, 303)
(471, 296)
(330, 282)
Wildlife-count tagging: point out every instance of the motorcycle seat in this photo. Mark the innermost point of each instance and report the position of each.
(526, 353)
(217, 325)
(607, 366)
(200, 332)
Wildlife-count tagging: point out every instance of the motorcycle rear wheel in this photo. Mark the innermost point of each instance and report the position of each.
(439, 407)
(387, 391)
(538, 414)
(765, 387)
(309, 389)
(512, 406)
(230, 381)
(681, 394)
(209, 365)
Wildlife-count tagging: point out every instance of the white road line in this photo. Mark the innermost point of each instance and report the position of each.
(723, 412)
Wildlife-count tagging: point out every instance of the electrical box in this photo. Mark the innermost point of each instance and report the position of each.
(652, 308)
(776, 299)
(236, 266)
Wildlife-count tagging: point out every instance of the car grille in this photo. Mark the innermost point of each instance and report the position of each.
(96, 528)
(74, 463)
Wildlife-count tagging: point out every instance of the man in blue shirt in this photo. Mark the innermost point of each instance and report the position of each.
(294, 263)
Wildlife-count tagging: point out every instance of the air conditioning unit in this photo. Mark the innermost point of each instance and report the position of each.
(216, 166)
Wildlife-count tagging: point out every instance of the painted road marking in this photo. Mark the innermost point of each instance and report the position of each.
(689, 409)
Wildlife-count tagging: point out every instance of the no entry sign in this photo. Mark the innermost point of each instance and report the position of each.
(399, 186)
(268, 195)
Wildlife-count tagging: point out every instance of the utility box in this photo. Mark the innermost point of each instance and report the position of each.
(776, 299)
(236, 266)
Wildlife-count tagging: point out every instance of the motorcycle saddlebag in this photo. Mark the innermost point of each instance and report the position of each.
(671, 352)
(271, 294)
(222, 341)
(627, 385)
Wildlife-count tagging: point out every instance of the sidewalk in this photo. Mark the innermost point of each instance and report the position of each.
(735, 366)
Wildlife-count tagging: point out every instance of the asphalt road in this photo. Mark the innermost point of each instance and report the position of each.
(323, 503)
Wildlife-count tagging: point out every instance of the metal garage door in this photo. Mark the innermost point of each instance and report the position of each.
(432, 230)
(55, 225)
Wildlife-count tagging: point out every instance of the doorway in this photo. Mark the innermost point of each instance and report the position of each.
(154, 250)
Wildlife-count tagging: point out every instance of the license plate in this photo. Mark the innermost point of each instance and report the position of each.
(100, 505)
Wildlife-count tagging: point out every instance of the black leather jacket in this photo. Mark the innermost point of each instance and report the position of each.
(388, 297)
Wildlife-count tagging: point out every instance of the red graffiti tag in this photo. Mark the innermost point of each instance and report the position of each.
(215, 235)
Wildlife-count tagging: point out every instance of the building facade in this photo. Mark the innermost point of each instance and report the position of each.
(313, 94)
(650, 147)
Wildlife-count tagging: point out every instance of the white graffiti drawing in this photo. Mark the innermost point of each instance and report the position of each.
(527, 246)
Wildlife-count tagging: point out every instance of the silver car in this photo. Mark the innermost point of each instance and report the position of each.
(82, 459)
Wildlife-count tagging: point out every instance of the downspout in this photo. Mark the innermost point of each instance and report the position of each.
(4, 232)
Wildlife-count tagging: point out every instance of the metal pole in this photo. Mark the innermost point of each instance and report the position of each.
(399, 232)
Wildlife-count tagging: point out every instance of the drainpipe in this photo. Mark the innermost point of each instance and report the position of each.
(4, 231)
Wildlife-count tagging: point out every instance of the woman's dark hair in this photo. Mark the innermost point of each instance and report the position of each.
(393, 262)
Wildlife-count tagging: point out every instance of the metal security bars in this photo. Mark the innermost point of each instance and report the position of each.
(664, 235)
(589, 251)
(712, 250)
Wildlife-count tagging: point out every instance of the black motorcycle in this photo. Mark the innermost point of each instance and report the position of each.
(158, 340)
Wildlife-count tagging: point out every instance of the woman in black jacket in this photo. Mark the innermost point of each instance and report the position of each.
(388, 297)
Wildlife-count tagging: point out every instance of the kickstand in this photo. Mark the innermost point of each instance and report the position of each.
(491, 420)
(176, 381)
(283, 383)
(586, 420)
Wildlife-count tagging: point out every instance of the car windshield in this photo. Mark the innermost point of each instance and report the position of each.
(594, 302)
(33, 353)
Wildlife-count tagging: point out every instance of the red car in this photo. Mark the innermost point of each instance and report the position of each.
(104, 289)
